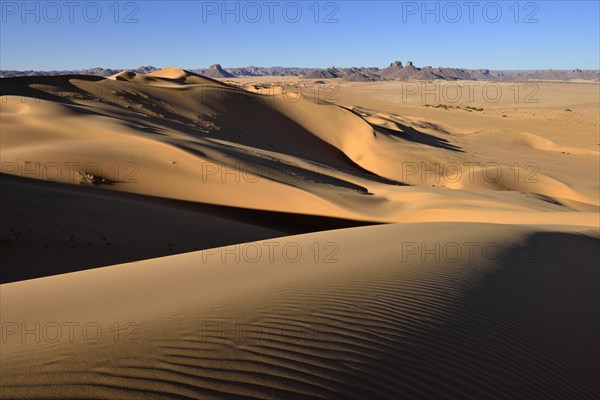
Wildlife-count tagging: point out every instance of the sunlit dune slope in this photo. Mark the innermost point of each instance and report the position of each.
(358, 313)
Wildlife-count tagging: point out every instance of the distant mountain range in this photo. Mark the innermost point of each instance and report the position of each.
(395, 71)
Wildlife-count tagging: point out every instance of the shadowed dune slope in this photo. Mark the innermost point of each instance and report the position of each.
(77, 228)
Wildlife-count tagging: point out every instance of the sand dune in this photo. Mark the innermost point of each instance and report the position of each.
(375, 322)
(212, 133)
(477, 279)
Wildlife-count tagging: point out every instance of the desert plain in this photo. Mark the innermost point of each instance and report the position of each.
(168, 235)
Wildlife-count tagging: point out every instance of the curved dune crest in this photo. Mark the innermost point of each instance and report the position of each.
(123, 75)
(170, 72)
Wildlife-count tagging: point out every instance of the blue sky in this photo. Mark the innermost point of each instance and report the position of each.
(195, 34)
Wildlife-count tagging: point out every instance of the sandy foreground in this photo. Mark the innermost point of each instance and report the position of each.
(277, 238)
